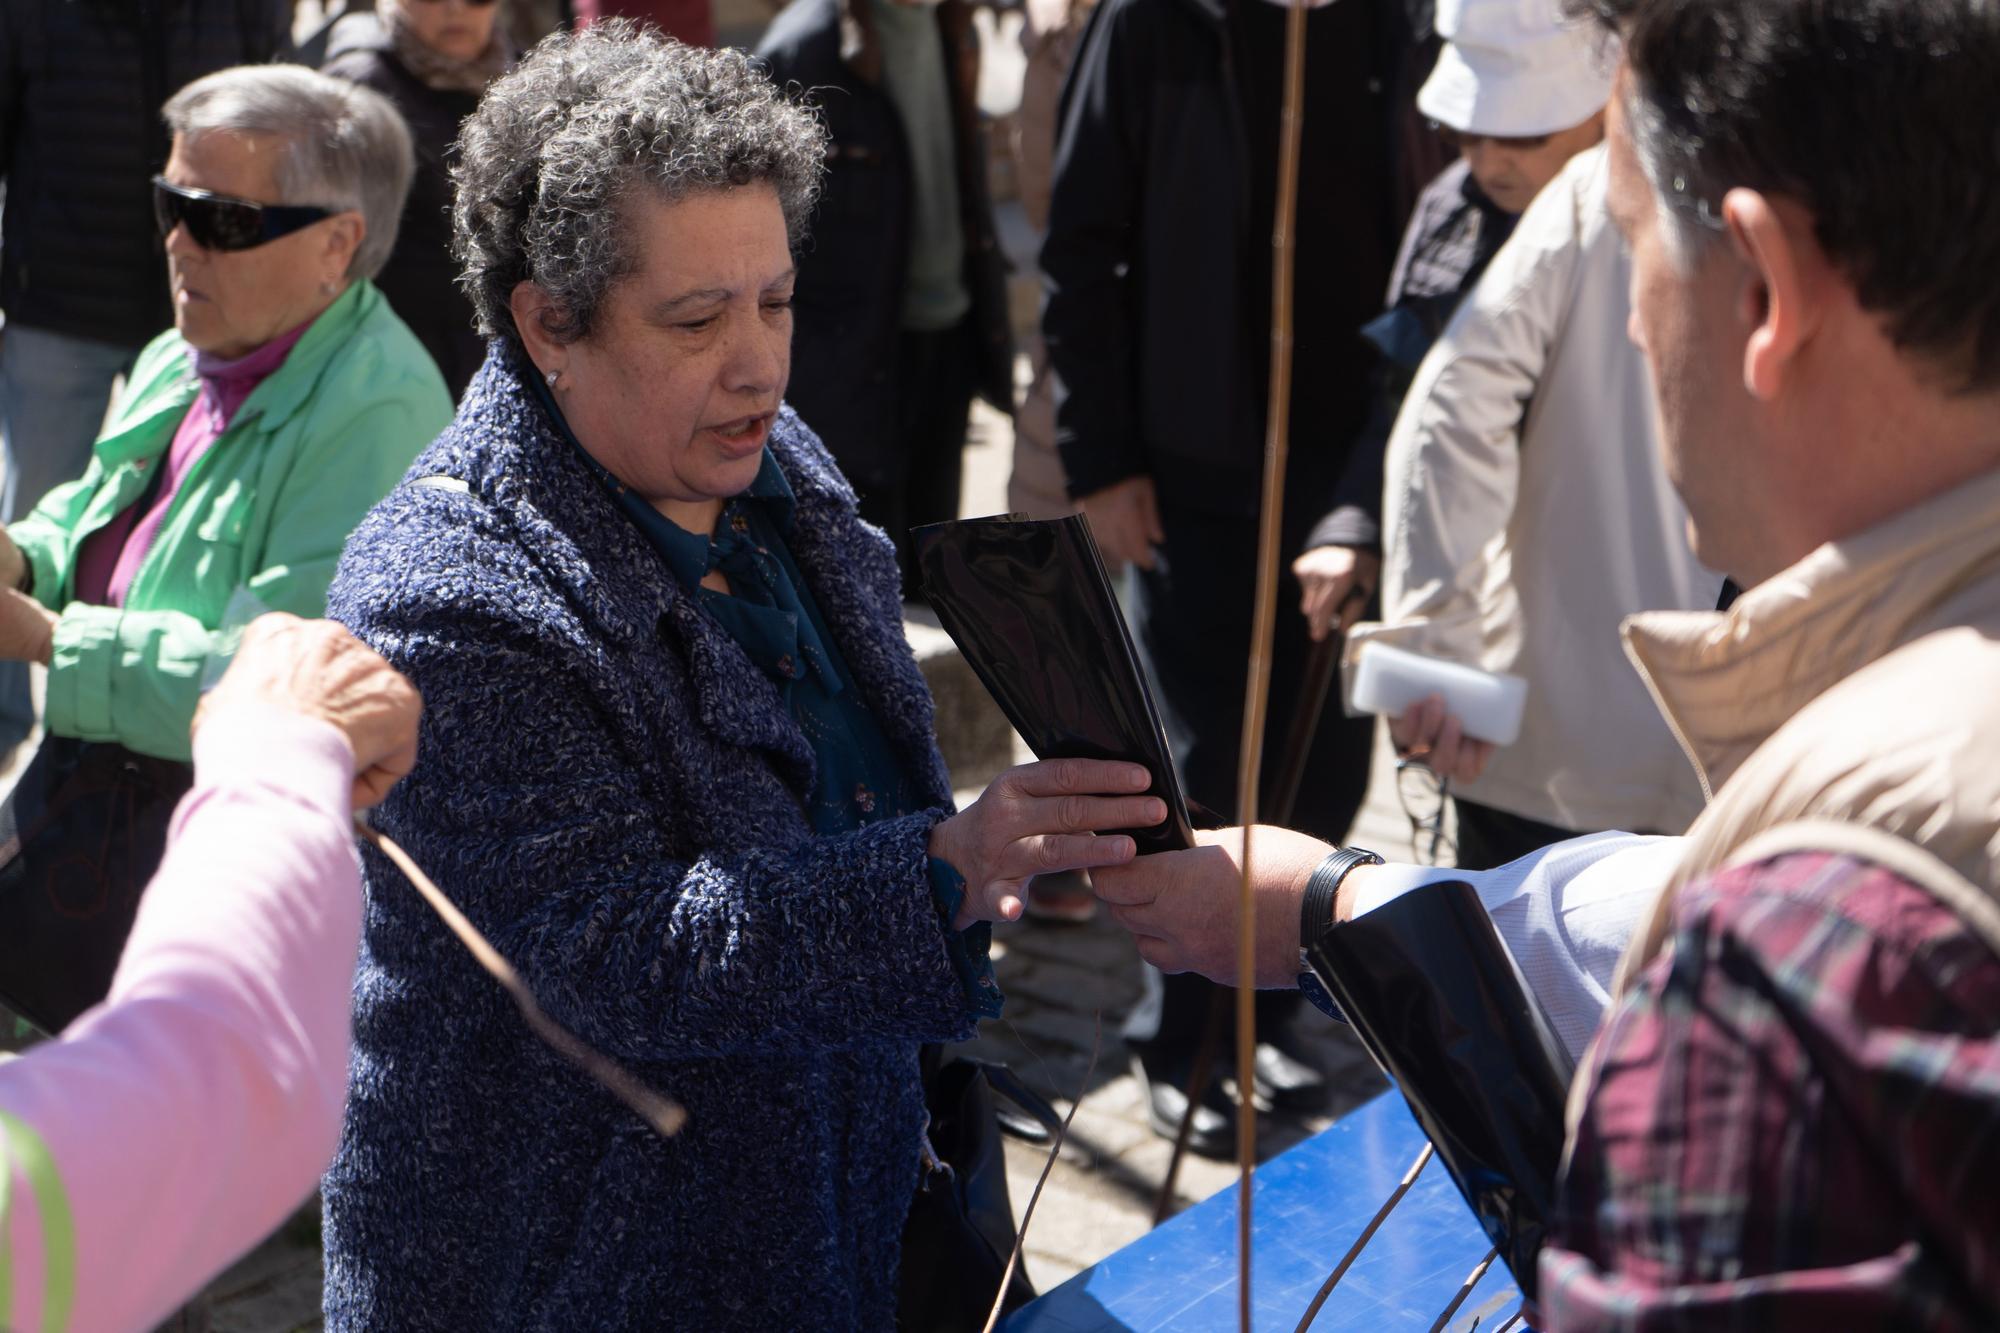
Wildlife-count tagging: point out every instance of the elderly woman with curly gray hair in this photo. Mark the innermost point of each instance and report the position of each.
(677, 760)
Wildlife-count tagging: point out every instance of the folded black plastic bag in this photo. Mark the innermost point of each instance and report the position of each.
(1030, 606)
(1442, 1007)
(81, 834)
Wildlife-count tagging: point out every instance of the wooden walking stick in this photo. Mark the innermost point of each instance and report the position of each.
(1284, 798)
(664, 1115)
(1257, 689)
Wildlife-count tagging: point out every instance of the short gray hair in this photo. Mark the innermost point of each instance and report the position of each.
(346, 147)
(557, 145)
(1688, 213)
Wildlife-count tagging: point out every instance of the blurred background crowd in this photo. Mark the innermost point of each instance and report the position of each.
(1061, 209)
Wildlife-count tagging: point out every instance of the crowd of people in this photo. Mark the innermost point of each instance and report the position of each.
(1649, 351)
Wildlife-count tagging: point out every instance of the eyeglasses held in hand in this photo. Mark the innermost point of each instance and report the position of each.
(218, 222)
(1423, 795)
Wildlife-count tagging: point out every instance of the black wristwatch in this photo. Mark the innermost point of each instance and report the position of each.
(1316, 912)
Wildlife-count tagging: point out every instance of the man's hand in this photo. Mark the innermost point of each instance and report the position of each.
(1038, 819)
(1181, 906)
(317, 669)
(1426, 731)
(27, 628)
(1125, 520)
(13, 564)
(1336, 583)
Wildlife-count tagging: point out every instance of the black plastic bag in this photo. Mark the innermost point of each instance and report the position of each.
(1440, 1004)
(961, 1224)
(1029, 604)
(80, 837)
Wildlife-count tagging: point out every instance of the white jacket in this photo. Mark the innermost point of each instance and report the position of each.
(1527, 513)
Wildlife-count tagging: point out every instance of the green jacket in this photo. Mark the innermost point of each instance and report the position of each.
(264, 511)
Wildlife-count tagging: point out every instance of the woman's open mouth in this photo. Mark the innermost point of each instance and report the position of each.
(745, 435)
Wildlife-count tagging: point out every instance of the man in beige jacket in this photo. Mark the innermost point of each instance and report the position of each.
(1790, 1117)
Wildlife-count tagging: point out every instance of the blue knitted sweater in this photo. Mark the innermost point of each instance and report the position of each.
(612, 791)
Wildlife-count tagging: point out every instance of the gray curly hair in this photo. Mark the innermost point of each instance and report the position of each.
(556, 146)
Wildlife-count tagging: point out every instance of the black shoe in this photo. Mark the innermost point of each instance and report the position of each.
(1213, 1133)
(1287, 1083)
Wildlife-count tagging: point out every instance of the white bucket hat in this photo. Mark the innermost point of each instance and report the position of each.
(1514, 69)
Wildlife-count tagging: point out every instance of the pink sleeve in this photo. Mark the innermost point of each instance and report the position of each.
(192, 1110)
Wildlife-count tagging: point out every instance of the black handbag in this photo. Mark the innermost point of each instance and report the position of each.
(1030, 607)
(961, 1224)
(1438, 1001)
(80, 837)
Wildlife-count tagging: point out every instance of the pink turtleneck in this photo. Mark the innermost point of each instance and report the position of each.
(111, 556)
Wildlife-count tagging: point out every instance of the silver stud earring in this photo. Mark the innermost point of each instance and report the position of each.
(552, 377)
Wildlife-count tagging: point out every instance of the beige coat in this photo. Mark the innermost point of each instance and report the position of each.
(1852, 703)
(1527, 514)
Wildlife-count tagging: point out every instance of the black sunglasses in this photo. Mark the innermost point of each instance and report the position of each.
(218, 222)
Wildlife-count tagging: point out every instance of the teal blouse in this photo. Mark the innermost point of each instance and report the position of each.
(771, 613)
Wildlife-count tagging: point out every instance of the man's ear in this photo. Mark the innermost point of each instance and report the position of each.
(1778, 297)
(530, 306)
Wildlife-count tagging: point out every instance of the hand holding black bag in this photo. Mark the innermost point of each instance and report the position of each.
(1030, 606)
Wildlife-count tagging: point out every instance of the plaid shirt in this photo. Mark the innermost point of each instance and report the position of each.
(1794, 1118)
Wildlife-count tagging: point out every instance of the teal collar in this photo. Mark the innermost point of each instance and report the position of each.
(685, 553)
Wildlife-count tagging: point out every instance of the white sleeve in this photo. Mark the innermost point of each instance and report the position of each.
(1454, 458)
(1565, 912)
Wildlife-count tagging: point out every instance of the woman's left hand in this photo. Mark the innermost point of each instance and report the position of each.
(1038, 820)
(27, 628)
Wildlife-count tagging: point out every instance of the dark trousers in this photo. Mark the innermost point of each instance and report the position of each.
(1489, 837)
(1192, 616)
(918, 481)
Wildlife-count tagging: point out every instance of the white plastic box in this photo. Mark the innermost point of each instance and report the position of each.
(1388, 680)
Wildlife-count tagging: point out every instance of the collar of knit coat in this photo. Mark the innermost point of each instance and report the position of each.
(509, 452)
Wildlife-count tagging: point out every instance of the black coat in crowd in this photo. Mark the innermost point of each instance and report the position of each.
(1158, 338)
(81, 86)
(852, 272)
(420, 277)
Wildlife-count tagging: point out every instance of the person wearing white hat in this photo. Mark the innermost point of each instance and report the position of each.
(1520, 91)
(1517, 93)
(1526, 511)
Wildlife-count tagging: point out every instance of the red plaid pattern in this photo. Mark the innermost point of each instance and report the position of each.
(1794, 1119)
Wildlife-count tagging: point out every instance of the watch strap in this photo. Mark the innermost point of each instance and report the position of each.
(1316, 911)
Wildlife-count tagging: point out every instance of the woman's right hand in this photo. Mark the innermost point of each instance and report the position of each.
(1038, 819)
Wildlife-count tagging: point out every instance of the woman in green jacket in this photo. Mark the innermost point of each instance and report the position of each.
(252, 437)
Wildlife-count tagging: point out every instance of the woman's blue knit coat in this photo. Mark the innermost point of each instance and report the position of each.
(612, 792)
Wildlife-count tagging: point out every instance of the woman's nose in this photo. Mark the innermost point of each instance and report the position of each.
(757, 361)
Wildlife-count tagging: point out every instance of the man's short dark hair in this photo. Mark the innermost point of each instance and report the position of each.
(1879, 116)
